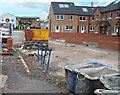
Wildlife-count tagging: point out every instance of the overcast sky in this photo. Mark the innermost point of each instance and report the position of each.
(39, 8)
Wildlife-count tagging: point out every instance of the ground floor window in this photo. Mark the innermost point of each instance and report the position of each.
(115, 30)
(68, 27)
(91, 28)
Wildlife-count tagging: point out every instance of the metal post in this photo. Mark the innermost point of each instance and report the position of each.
(44, 56)
(38, 53)
(11, 29)
(50, 49)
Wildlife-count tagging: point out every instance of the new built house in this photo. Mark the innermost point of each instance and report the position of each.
(78, 24)
(66, 17)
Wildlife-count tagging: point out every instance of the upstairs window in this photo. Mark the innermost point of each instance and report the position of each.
(82, 18)
(110, 15)
(103, 16)
(70, 17)
(63, 6)
(118, 14)
(84, 9)
(97, 16)
(59, 17)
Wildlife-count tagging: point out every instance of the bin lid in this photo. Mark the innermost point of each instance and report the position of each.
(111, 81)
(96, 73)
(104, 92)
(77, 67)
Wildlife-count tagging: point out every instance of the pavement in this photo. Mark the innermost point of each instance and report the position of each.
(3, 78)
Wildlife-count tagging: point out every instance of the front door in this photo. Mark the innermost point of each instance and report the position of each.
(83, 28)
(57, 28)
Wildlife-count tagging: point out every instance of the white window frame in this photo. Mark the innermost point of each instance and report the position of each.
(85, 9)
(71, 17)
(118, 14)
(64, 5)
(110, 15)
(97, 16)
(58, 28)
(96, 29)
(114, 30)
(82, 18)
(103, 15)
(59, 17)
(69, 27)
(92, 18)
(83, 29)
(91, 28)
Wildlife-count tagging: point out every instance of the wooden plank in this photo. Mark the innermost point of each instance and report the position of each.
(6, 53)
(3, 79)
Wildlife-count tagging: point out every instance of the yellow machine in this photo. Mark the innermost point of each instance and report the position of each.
(37, 35)
(40, 34)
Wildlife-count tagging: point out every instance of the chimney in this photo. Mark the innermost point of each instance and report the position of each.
(91, 4)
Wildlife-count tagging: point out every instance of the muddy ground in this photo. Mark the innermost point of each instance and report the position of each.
(38, 81)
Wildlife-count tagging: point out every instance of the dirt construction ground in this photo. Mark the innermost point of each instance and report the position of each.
(37, 80)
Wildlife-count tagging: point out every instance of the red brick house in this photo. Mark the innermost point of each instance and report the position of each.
(78, 24)
(63, 17)
(85, 19)
(36, 23)
(107, 19)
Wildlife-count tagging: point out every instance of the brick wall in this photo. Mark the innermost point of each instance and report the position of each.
(104, 41)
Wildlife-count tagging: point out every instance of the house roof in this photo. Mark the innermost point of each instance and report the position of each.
(112, 6)
(8, 14)
(101, 8)
(118, 22)
(71, 9)
(85, 10)
(104, 23)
